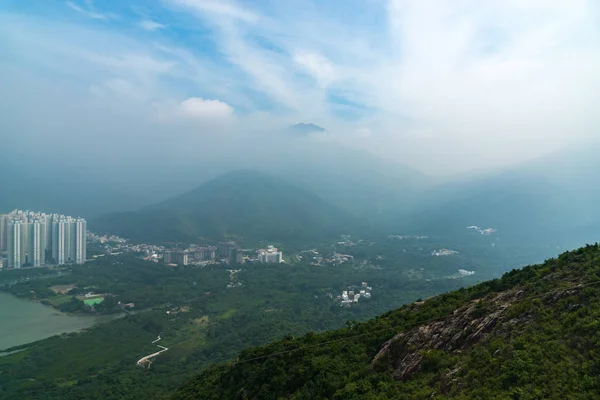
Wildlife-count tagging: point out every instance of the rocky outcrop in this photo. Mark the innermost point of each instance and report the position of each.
(468, 325)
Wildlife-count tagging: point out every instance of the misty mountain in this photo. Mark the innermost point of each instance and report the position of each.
(553, 198)
(250, 204)
(305, 128)
(358, 182)
(364, 185)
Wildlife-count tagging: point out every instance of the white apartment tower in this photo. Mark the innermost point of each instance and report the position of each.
(35, 239)
(14, 234)
(58, 241)
(80, 241)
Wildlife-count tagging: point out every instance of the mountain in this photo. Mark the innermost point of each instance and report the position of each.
(305, 129)
(352, 179)
(533, 334)
(367, 186)
(251, 204)
(551, 199)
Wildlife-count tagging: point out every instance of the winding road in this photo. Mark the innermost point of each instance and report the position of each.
(147, 359)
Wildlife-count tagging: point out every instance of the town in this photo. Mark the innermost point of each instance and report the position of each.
(196, 255)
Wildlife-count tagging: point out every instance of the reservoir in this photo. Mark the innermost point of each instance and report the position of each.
(25, 321)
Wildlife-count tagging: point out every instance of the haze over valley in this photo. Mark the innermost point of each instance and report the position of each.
(260, 199)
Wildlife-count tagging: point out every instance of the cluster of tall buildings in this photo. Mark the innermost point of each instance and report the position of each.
(36, 239)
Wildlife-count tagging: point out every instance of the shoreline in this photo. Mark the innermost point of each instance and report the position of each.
(49, 304)
(90, 322)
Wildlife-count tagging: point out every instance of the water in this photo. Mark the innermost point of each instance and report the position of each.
(24, 321)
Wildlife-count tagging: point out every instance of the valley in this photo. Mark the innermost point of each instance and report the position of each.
(299, 200)
(189, 271)
(202, 318)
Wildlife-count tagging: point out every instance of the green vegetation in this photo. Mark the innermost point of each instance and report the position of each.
(13, 276)
(538, 339)
(207, 322)
(254, 205)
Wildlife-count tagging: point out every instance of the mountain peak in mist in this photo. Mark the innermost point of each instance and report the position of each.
(247, 203)
(303, 129)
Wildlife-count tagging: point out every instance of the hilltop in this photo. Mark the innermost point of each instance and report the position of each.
(249, 204)
(530, 335)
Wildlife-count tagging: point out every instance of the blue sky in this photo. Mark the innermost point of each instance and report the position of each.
(440, 85)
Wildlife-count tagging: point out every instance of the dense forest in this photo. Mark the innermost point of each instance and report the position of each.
(532, 334)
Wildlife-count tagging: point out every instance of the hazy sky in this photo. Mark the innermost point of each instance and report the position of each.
(443, 86)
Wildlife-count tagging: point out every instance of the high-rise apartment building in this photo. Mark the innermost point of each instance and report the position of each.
(168, 257)
(3, 227)
(34, 239)
(182, 258)
(206, 253)
(59, 240)
(270, 255)
(16, 256)
(80, 241)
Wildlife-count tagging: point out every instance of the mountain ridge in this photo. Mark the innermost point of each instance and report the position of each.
(247, 203)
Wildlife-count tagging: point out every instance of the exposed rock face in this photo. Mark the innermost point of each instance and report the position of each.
(467, 326)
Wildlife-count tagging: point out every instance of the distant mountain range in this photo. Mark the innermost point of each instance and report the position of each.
(550, 200)
(248, 204)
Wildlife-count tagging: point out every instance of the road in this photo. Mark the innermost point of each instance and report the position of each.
(146, 359)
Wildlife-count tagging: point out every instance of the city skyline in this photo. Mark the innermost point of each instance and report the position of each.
(36, 239)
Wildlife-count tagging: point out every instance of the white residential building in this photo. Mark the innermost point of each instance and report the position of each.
(33, 239)
(270, 255)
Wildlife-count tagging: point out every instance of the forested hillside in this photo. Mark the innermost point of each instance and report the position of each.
(533, 334)
(248, 204)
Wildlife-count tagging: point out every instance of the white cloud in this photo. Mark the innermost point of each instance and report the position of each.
(317, 65)
(149, 25)
(206, 109)
(220, 8)
(444, 86)
(496, 80)
(89, 12)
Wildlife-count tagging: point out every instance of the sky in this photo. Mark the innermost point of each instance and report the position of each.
(442, 86)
